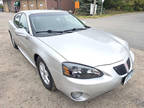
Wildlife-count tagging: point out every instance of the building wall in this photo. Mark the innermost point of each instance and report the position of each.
(8, 5)
(32, 4)
(39, 4)
(67, 5)
(51, 4)
(24, 5)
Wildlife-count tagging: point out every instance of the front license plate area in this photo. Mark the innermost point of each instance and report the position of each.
(127, 78)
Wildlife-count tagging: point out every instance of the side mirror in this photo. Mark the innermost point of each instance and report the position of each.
(21, 32)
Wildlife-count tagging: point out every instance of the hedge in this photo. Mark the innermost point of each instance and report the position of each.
(117, 5)
(124, 5)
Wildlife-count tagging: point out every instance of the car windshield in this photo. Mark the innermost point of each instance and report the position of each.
(55, 23)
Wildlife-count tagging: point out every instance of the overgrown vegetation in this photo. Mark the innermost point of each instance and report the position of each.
(84, 7)
(124, 5)
(1, 6)
(116, 5)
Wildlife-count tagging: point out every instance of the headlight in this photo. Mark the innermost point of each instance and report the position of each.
(80, 71)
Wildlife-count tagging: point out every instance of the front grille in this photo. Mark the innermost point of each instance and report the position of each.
(128, 63)
(120, 69)
(123, 69)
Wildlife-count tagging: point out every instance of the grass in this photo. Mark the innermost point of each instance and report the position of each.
(107, 13)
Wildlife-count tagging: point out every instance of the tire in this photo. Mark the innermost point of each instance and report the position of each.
(12, 41)
(45, 76)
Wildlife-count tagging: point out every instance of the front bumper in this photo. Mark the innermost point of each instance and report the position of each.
(90, 88)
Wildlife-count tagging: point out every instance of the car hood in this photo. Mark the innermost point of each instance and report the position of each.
(90, 47)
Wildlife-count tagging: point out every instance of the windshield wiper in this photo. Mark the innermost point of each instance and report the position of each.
(65, 31)
(49, 31)
(74, 29)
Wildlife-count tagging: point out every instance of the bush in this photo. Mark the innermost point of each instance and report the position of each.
(1, 6)
(84, 7)
(124, 5)
(117, 5)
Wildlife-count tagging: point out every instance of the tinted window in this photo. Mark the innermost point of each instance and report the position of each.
(17, 19)
(23, 22)
(54, 21)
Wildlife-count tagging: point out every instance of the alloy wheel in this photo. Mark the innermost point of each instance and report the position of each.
(44, 73)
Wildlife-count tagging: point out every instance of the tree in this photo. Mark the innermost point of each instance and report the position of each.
(125, 5)
(84, 7)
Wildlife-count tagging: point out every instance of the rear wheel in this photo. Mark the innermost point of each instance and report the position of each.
(13, 42)
(45, 75)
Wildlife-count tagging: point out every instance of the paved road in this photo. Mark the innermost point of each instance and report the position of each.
(20, 86)
(129, 27)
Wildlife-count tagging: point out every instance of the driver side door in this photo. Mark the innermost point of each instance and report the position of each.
(24, 39)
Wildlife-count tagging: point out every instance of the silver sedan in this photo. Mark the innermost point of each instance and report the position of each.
(78, 60)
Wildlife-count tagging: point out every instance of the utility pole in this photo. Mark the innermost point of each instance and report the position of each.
(94, 7)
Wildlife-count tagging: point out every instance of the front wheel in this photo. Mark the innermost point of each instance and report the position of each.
(45, 75)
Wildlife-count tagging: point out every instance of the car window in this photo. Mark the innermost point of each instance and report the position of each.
(23, 23)
(17, 19)
(54, 21)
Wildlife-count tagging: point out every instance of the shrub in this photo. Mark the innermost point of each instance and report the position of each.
(1, 6)
(117, 5)
(84, 7)
(125, 5)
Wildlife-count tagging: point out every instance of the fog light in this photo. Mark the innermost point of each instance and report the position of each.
(76, 95)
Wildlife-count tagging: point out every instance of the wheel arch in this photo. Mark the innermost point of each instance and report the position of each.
(9, 32)
(35, 58)
(54, 67)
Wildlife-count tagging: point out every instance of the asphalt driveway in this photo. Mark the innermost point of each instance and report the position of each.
(129, 27)
(20, 85)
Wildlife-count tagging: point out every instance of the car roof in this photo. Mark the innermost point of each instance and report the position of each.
(29, 12)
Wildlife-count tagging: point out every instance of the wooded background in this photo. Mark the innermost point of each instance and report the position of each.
(125, 5)
(116, 5)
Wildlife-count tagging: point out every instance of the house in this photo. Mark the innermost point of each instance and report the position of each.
(39, 4)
